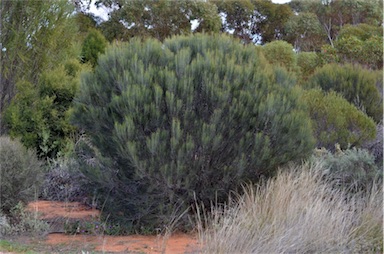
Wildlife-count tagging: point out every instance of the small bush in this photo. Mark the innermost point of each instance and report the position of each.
(64, 182)
(5, 227)
(21, 174)
(93, 45)
(91, 228)
(353, 169)
(39, 113)
(24, 222)
(21, 222)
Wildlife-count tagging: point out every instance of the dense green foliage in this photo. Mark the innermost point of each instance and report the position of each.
(35, 37)
(307, 63)
(93, 45)
(21, 174)
(335, 14)
(39, 114)
(280, 53)
(191, 118)
(355, 84)
(357, 44)
(158, 19)
(335, 120)
(304, 32)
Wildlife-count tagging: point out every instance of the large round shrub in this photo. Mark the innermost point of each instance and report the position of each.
(190, 118)
(21, 174)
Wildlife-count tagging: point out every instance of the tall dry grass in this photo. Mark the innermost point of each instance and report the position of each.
(295, 212)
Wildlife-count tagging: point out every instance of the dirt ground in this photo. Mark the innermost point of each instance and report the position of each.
(61, 211)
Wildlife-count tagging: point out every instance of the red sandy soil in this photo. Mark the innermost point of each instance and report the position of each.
(53, 209)
(48, 210)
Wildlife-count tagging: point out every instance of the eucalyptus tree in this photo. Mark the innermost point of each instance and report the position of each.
(157, 19)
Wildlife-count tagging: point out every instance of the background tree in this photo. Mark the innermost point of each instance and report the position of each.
(237, 17)
(157, 111)
(85, 22)
(148, 18)
(272, 20)
(304, 31)
(254, 21)
(361, 44)
(334, 14)
(207, 15)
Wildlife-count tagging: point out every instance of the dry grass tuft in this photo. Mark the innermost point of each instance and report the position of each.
(296, 212)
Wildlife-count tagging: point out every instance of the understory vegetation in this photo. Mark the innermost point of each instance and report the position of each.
(297, 211)
(262, 127)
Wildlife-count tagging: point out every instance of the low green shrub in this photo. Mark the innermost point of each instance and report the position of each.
(21, 174)
(22, 222)
(91, 228)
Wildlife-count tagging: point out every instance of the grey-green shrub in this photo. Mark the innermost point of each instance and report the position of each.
(21, 174)
(353, 169)
(375, 147)
(192, 117)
